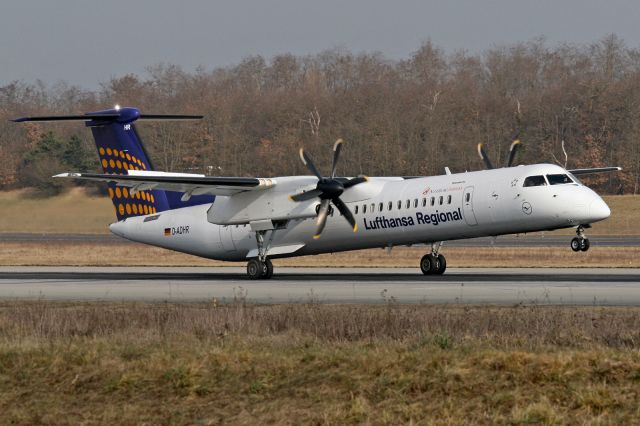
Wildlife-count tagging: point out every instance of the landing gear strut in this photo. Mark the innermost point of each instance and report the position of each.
(433, 263)
(580, 243)
(260, 268)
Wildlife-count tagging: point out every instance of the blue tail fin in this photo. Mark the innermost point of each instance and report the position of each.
(120, 149)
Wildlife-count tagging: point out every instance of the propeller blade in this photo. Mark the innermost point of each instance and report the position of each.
(513, 149)
(346, 213)
(355, 181)
(337, 147)
(305, 196)
(309, 163)
(322, 217)
(483, 156)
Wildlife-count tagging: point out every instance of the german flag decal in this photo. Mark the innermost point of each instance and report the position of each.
(167, 232)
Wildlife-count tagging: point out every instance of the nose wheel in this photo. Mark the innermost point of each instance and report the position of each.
(433, 263)
(580, 243)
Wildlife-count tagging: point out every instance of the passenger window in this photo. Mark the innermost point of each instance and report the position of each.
(440, 200)
(380, 207)
(408, 203)
(415, 203)
(424, 202)
(559, 179)
(373, 207)
(399, 205)
(467, 197)
(433, 201)
(355, 211)
(364, 208)
(390, 206)
(448, 199)
(535, 181)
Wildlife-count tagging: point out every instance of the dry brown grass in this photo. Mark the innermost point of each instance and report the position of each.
(72, 212)
(92, 254)
(317, 364)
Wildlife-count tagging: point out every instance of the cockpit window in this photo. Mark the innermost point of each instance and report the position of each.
(559, 179)
(535, 181)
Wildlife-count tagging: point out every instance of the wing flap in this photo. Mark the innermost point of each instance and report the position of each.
(178, 182)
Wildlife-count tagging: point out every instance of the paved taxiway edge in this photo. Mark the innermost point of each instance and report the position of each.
(325, 285)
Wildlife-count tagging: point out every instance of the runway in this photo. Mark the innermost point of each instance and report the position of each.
(325, 285)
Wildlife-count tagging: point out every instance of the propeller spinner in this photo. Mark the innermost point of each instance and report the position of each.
(328, 190)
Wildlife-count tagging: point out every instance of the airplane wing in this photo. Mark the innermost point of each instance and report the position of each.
(594, 170)
(191, 184)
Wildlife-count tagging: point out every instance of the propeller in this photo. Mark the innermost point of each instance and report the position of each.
(513, 150)
(328, 190)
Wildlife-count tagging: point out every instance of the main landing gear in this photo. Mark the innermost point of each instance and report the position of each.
(433, 263)
(260, 268)
(580, 243)
(257, 269)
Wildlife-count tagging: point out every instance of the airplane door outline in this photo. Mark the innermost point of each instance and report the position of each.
(467, 206)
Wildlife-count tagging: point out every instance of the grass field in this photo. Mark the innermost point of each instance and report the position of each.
(317, 364)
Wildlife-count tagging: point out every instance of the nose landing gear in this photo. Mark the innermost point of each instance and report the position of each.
(580, 243)
(433, 263)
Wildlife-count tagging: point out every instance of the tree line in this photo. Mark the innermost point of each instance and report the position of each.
(575, 105)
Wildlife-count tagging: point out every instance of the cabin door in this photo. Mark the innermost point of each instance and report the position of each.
(467, 206)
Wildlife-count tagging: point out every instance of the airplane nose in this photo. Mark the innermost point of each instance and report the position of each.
(598, 210)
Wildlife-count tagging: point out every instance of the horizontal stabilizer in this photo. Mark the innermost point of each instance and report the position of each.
(179, 182)
(594, 170)
(120, 115)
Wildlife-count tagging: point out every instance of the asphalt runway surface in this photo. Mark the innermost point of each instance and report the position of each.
(537, 240)
(505, 286)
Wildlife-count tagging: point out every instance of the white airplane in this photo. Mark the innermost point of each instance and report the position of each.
(258, 219)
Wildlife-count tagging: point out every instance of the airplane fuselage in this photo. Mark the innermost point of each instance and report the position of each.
(396, 211)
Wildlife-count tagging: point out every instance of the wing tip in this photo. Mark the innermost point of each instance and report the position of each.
(315, 237)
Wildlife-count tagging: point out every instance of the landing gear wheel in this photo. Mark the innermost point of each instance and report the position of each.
(584, 245)
(269, 272)
(256, 269)
(442, 265)
(429, 264)
(576, 244)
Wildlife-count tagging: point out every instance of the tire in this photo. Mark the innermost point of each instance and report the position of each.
(255, 269)
(269, 272)
(442, 265)
(584, 244)
(575, 244)
(426, 264)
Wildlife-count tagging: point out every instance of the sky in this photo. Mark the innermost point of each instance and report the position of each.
(85, 42)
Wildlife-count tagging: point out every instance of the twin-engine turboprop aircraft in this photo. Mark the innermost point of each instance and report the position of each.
(257, 219)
